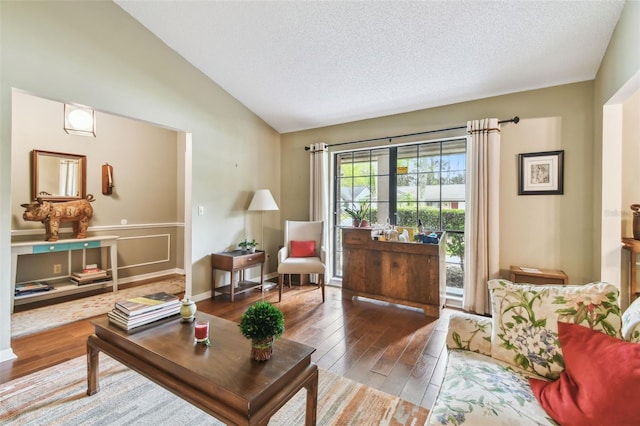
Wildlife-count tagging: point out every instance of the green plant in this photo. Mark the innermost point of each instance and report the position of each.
(261, 321)
(360, 213)
(247, 244)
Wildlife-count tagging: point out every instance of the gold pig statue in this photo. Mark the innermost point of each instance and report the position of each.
(78, 212)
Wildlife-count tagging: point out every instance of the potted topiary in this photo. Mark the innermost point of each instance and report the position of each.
(262, 323)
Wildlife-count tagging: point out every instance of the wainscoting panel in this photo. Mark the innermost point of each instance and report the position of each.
(144, 250)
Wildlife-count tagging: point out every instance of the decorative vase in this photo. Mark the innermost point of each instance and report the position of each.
(252, 249)
(261, 349)
(188, 310)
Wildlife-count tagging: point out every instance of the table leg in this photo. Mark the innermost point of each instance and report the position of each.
(233, 285)
(93, 361)
(14, 272)
(213, 283)
(312, 400)
(634, 284)
(114, 263)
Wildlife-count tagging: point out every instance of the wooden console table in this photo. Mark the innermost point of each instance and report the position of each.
(633, 246)
(103, 242)
(405, 273)
(236, 261)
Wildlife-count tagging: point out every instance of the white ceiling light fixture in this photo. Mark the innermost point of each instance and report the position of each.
(79, 120)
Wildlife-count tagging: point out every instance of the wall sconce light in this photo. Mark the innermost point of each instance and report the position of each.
(107, 179)
(79, 120)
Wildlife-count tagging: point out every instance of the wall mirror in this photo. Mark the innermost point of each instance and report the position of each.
(58, 176)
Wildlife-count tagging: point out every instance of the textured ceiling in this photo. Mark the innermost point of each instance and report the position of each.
(306, 64)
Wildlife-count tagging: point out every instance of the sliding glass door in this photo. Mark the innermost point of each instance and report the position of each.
(405, 185)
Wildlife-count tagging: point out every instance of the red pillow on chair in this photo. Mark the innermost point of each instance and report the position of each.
(303, 248)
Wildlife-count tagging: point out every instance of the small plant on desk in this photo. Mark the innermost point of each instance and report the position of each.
(247, 245)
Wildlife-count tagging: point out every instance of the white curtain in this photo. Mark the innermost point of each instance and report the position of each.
(319, 190)
(482, 237)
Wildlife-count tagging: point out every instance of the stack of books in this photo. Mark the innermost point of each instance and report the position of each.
(89, 275)
(32, 287)
(144, 310)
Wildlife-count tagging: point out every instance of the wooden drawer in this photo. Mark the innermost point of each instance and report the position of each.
(236, 260)
(357, 236)
(65, 246)
(250, 259)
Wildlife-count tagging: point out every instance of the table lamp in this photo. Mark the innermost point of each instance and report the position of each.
(262, 201)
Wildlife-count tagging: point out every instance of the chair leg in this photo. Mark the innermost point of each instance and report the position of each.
(280, 283)
(321, 279)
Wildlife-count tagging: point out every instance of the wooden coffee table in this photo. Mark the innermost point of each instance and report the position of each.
(222, 379)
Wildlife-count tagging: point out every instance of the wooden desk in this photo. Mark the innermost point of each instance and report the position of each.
(634, 249)
(236, 261)
(544, 276)
(222, 379)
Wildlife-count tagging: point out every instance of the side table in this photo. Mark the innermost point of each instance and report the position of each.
(236, 262)
(633, 246)
(520, 274)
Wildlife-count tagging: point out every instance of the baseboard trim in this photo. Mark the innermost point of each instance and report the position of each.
(7, 355)
(151, 276)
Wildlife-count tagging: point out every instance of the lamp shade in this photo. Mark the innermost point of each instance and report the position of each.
(263, 201)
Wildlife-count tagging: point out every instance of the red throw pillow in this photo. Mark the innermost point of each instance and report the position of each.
(601, 374)
(303, 248)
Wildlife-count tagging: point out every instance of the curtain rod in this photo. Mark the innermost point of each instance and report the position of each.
(515, 120)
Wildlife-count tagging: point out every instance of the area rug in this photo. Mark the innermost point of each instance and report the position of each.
(57, 396)
(44, 318)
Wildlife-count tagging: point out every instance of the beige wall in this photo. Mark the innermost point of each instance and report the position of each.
(630, 161)
(546, 231)
(95, 54)
(562, 231)
(145, 208)
(617, 80)
(143, 157)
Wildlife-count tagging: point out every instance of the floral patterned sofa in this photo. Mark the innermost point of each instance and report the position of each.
(490, 360)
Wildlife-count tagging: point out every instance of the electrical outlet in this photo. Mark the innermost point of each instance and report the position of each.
(57, 268)
(200, 210)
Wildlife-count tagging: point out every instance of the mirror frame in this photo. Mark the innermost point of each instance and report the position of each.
(36, 172)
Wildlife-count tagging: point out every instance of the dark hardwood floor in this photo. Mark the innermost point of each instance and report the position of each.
(395, 349)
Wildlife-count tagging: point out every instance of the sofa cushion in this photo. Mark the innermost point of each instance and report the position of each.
(478, 390)
(470, 332)
(525, 319)
(600, 371)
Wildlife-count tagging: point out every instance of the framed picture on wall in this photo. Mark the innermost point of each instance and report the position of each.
(541, 173)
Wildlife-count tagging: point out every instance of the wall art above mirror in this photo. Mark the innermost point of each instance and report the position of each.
(57, 176)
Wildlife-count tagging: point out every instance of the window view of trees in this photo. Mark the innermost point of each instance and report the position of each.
(406, 184)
